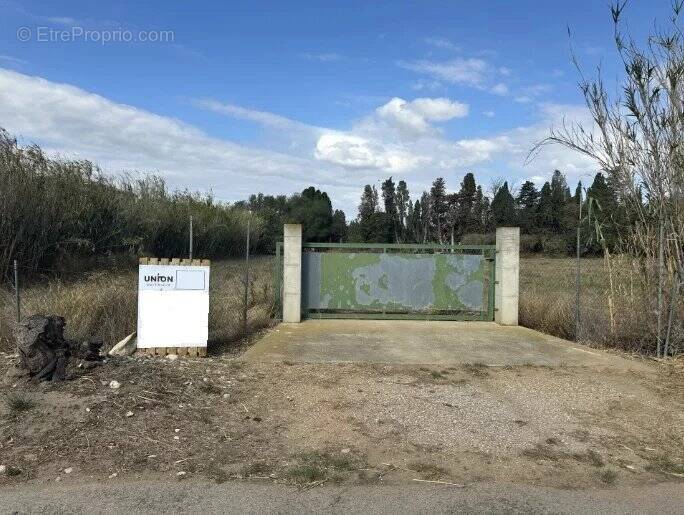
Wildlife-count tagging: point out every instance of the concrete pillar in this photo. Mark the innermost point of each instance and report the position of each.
(507, 275)
(292, 273)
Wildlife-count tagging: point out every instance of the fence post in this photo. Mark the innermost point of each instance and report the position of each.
(292, 273)
(17, 296)
(661, 266)
(190, 242)
(246, 299)
(577, 296)
(507, 275)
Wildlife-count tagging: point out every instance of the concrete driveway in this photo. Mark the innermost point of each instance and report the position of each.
(423, 342)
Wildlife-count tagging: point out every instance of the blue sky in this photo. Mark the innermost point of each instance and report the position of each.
(242, 97)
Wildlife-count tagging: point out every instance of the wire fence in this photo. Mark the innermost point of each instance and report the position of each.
(102, 300)
(608, 303)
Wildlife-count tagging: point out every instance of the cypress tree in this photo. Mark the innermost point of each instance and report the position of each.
(503, 207)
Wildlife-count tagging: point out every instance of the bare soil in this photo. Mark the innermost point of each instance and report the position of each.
(221, 419)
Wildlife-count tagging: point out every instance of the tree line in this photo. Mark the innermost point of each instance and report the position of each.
(548, 217)
(59, 214)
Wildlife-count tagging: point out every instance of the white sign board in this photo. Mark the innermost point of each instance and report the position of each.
(173, 306)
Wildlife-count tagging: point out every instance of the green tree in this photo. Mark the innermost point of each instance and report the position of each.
(544, 219)
(389, 198)
(467, 219)
(403, 202)
(605, 212)
(503, 207)
(368, 207)
(526, 206)
(414, 222)
(369, 203)
(559, 199)
(338, 229)
(480, 210)
(313, 209)
(439, 208)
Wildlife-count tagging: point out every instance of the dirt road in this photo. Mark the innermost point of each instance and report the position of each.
(219, 419)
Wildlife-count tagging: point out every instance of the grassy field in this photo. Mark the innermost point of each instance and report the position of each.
(614, 308)
(104, 303)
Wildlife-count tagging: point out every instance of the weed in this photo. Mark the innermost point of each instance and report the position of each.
(591, 456)
(13, 471)
(315, 466)
(218, 475)
(258, 468)
(210, 388)
(436, 375)
(608, 476)
(428, 470)
(19, 403)
(305, 473)
(476, 369)
(542, 452)
(664, 464)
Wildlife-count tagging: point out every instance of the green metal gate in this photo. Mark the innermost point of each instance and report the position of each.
(393, 281)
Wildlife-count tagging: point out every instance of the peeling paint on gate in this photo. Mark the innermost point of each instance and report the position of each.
(393, 282)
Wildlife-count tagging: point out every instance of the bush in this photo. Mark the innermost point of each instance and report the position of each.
(57, 213)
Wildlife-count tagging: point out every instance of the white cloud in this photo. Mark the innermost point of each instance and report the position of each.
(489, 114)
(414, 116)
(500, 89)
(442, 43)
(428, 85)
(79, 124)
(119, 137)
(439, 109)
(353, 151)
(471, 72)
(12, 60)
(243, 113)
(61, 20)
(324, 57)
(530, 93)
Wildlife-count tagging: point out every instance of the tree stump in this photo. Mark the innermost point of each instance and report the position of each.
(43, 351)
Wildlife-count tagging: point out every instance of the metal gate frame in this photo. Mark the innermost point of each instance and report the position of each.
(487, 251)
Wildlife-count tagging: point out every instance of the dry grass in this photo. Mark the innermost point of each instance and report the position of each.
(105, 303)
(621, 318)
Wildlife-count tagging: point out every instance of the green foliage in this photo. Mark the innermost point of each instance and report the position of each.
(548, 218)
(313, 210)
(55, 209)
(526, 204)
(503, 207)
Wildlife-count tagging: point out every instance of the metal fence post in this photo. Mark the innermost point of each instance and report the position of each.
(577, 285)
(17, 296)
(661, 272)
(246, 299)
(190, 242)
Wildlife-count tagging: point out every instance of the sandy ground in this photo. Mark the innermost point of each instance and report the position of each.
(222, 419)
